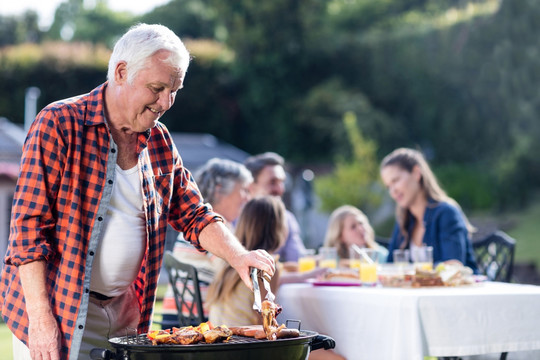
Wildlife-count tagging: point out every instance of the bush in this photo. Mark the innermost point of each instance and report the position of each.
(472, 186)
(353, 181)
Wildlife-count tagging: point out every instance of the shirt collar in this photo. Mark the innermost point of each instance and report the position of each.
(95, 110)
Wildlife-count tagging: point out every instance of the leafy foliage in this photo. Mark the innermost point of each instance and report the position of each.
(354, 180)
(19, 29)
(195, 19)
(74, 22)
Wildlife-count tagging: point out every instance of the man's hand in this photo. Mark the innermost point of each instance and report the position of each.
(220, 241)
(44, 338)
(259, 259)
(43, 332)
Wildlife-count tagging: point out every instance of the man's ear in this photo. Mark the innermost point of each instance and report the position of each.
(120, 72)
(252, 188)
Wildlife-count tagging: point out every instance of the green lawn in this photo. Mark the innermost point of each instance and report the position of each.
(527, 234)
(5, 341)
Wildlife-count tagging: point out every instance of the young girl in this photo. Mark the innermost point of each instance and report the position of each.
(425, 215)
(349, 226)
(261, 225)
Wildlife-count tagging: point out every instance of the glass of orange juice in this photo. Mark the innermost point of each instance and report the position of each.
(328, 257)
(307, 261)
(368, 266)
(422, 257)
(354, 257)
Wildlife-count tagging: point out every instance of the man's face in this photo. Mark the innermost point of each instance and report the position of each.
(271, 181)
(151, 93)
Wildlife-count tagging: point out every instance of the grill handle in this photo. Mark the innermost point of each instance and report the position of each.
(322, 342)
(101, 354)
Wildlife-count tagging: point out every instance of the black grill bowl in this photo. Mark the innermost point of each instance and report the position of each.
(237, 348)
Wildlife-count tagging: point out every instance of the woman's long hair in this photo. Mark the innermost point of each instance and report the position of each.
(261, 225)
(334, 231)
(407, 159)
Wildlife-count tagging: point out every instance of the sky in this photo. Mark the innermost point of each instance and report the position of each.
(46, 8)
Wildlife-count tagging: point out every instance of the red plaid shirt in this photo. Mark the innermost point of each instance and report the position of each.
(62, 194)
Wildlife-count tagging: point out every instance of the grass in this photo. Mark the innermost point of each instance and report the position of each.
(527, 234)
(5, 341)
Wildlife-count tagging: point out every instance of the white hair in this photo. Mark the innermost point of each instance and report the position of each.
(142, 41)
(220, 176)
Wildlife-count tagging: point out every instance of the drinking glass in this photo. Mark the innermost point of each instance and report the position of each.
(307, 262)
(422, 257)
(328, 257)
(354, 257)
(401, 256)
(368, 266)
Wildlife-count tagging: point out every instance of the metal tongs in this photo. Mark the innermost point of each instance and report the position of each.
(255, 275)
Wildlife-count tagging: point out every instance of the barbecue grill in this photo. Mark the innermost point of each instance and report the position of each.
(139, 347)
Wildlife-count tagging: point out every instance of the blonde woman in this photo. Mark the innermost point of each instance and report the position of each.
(425, 215)
(349, 226)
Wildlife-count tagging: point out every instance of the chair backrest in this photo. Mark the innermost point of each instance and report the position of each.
(495, 256)
(187, 293)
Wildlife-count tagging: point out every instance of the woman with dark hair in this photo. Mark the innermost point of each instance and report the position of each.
(425, 214)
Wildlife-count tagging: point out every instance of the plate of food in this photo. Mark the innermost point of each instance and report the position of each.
(337, 277)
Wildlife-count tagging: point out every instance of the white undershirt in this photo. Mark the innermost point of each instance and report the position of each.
(123, 241)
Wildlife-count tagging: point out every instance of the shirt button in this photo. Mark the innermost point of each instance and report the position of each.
(113, 150)
(110, 181)
(100, 218)
(91, 253)
(87, 290)
(81, 327)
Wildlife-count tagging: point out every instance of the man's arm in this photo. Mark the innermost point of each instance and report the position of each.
(43, 332)
(220, 241)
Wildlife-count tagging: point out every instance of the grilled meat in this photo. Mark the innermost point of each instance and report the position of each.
(218, 334)
(269, 312)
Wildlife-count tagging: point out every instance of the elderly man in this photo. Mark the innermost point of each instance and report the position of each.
(100, 180)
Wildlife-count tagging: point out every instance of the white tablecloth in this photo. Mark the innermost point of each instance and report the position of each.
(403, 324)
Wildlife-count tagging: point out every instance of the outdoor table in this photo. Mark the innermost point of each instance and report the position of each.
(410, 323)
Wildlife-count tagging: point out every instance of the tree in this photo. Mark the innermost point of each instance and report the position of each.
(100, 24)
(195, 19)
(19, 29)
(354, 180)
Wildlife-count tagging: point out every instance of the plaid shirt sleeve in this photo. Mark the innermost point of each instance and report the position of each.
(61, 178)
(37, 188)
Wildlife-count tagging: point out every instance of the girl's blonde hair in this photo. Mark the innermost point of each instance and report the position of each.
(407, 159)
(261, 225)
(334, 231)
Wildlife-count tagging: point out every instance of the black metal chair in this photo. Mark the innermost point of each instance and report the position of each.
(495, 256)
(187, 294)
